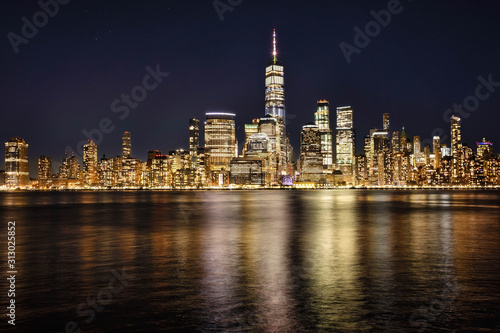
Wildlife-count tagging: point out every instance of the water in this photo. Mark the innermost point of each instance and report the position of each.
(261, 261)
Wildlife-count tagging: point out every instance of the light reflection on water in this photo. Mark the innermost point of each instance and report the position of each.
(277, 261)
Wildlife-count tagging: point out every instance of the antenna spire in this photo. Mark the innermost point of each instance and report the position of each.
(275, 53)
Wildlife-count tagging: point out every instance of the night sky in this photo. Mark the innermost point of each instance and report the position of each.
(66, 77)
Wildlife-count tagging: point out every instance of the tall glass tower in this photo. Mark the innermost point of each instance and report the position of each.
(275, 105)
(275, 83)
(322, 120)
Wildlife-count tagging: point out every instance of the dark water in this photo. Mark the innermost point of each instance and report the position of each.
(261, 261)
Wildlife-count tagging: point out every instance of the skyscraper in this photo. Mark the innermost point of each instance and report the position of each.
(44, 169)
(220, 144)
(345, 141)
(386, 121)
(250, 129)
(275, 105)
(90, 163)
(322, 120)
(194, 136)
(194, 142)
(456, 148)
(484, 149)
(311, 159)
(436, 147)
(126, 145)
(16, 163)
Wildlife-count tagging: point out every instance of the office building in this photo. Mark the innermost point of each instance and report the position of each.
(322, 120)
(90, 164)
(16, 163)
(220, 146)
(345, 142)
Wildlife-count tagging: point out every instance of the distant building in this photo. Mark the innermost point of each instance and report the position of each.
(260, 147)
(322, 120)
(247, 171)
(249, 130)
(2, 178)
(311, 159)
(44, 170)
(345, 141)
(275, 107)
(484, 149)
(436, 147)
(220, 145)
(126, 145)
(16, 163)
(456, 149)
(90, 164)
(386, 122)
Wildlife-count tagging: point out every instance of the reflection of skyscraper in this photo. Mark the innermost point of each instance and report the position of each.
(275, 105)
(322, 119)
(220, 144)
(345, 141)
(16, 163)
(90, 163)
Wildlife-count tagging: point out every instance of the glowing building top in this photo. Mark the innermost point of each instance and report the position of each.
(275, 82)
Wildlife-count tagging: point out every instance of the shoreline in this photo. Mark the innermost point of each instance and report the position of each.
(370, 188)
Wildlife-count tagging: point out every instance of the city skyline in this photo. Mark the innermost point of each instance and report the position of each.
(266, 156)
(65, 79)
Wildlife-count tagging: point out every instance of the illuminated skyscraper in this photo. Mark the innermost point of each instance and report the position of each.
(275, 105)
(90, 163)
(322, 120)
(73, 168)
(126, 145)
(484, 149)
(395, 143)
(345, 141)
(16, 163)
(436, 147)
(194, 143)
(456, 148)
(386, 121)
(311, 159)
(250, 129)
(194, 136)
(44, 169)
(220, 145)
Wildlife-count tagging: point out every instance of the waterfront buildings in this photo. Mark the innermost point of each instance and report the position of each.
(322, 120)
(345, 141)
(220, 146)
(90, 164)
(267, 156)
(16, 163)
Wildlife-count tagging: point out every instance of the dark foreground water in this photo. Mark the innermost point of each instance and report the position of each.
(260, 261)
